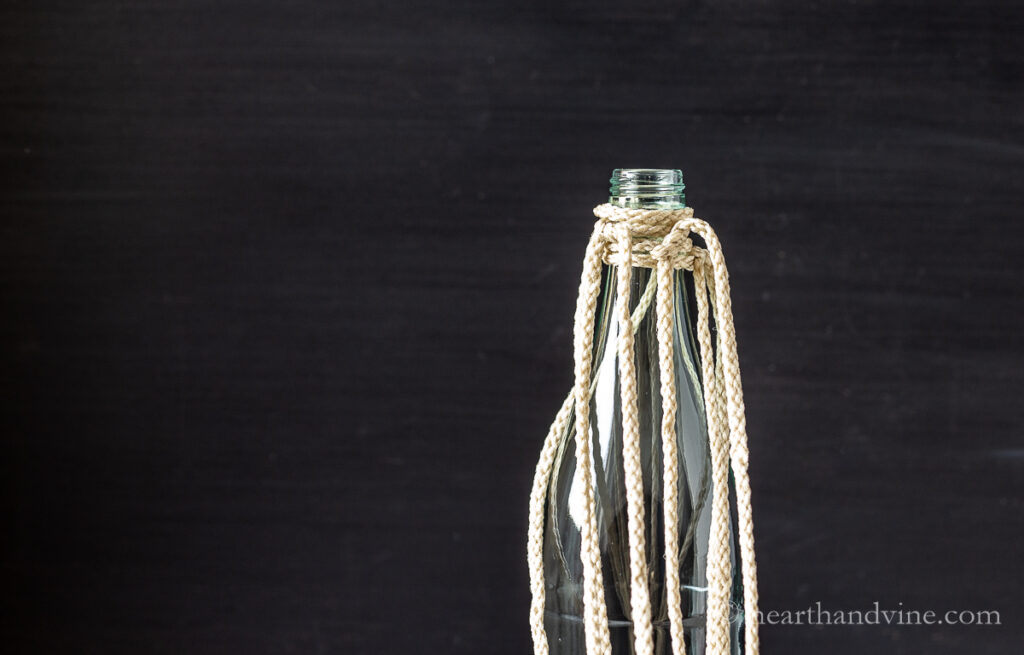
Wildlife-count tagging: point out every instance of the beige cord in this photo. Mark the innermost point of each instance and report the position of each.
(537, 496)
(669, 455)
(657, 239)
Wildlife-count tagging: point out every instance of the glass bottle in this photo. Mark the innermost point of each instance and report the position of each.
(563, 569)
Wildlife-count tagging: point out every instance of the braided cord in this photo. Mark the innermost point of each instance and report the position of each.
(669, 453)
(639, 596)
(595, 612)
(657, 239)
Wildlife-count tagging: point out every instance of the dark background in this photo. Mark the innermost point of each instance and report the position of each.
(287, 295)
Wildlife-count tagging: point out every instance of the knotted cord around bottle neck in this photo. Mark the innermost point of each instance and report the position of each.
(659, 239)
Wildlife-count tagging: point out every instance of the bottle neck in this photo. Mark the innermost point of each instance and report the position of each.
(647, 188)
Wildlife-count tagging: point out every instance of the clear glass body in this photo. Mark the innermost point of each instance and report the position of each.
(563, 569)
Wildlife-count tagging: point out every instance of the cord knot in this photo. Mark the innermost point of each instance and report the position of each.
(654, 235)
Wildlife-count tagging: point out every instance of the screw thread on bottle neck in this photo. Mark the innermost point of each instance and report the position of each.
(647, 188)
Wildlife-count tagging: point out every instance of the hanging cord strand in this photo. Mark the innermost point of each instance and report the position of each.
(595, 612)
(717, 612)
(541, 479)
(736, 413)
(639, 597)
(669, 454)
(535, 534)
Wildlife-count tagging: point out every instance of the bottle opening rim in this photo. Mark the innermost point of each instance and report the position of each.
(641, 187)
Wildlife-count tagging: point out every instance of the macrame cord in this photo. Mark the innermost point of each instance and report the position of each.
(660, 240)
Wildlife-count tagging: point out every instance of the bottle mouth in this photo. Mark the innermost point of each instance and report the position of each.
(647, 188)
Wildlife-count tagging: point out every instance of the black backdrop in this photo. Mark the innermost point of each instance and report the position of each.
(288, 289)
